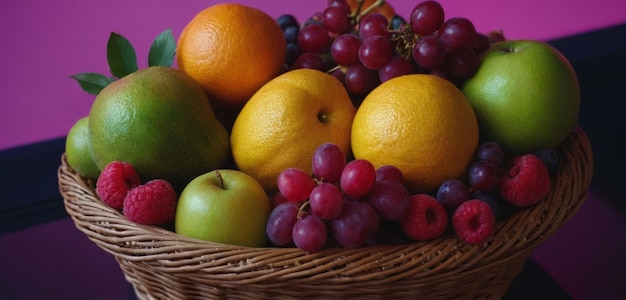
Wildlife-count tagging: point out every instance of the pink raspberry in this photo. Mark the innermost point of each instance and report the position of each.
(153, 203)
(473, 221)
(527, 182)
(425, 219)
(115, 180)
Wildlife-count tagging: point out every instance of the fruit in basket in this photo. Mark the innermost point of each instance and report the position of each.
(113, 184)
(152, 203)
(525, 94)
(526, 182)
(224, 206)
(286, 120)
(159, 120)
(78, 150)
(421, 124)
(231, 50)
(473, 221)
(425, 219)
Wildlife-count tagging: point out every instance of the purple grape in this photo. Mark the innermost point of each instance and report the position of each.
(337, 19)
(309, 233)
(357, 178)
(429, 52)
(396, 66)
(314, 38)
(356, 222)
(309, 60)
(490, 151)
(345, 49)
(374, 52)
(361, 80)
(326, 201)
(481, 43)
(426, 17)
(295, 184)
(280, 223)
(462, 63)
(457, 33)
(452, 193)
(328, 162)
(389, 172)
(286, 20)
(484, 175)
(390, 199)
(372, 25)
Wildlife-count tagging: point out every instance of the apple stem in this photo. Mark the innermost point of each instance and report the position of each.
(219, 176)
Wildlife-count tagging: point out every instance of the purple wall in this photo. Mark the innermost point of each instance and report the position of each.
(44, 42)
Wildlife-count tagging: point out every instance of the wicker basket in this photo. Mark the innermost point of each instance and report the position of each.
(163, 265)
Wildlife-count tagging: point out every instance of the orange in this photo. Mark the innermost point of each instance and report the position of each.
(385, 9)
(286, 120)
(231, 50)
(420, 123)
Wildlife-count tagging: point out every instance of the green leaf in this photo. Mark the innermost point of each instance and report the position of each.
(92, 83)
(121, 56)
(162, 50)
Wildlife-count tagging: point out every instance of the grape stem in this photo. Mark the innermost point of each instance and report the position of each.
(360, 12)
(302, 208)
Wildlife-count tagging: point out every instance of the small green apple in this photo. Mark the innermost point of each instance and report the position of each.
(525, 95)
(224, 206)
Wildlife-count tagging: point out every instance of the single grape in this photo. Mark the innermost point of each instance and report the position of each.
(390, 199)
(462, 63)
(361, 80)
(337, 19)
(397, 22)
(314, 38)
(339, 3)
(374, 52)
(396, 66)
(373, 24)
(286, 20)
(309, 233)
(309, 60)
(426, 17)
(355, 224)
(484, 175)
(277, 199)
(339, 74)
(328, 162)
(357, 178)
(326, 201)
(291, 34)
(292, 54)
(492, 200)
(481, 43)
(389, 172)
(491, 151)
(429, 52)
(280, 223)
(295, 184)
(457, 33)
(452, 193)
(345, 49)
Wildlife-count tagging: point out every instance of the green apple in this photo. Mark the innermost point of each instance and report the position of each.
(525, 95)
(224, 206)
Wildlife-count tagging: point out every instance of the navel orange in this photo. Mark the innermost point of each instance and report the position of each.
(420, 123)
(231, 50)
(286, 120)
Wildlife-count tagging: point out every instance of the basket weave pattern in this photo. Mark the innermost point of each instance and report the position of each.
(163, 265)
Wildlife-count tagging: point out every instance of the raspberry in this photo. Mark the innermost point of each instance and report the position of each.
(153, 203)
(426, 218)
(527, 182)
(473, 221)
(114, 182)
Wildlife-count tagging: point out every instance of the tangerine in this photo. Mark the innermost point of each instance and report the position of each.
(231, 50)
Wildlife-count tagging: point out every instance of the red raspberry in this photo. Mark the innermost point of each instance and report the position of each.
(527, 182)
(473, 221)
(153, 203)
(115, 180)
(426, 218)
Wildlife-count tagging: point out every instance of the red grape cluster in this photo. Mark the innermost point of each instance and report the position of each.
(363, 50)
(343, 202)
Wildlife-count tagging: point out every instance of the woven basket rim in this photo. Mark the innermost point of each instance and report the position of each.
(165, 251)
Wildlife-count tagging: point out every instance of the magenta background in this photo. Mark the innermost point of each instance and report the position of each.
(44, 42)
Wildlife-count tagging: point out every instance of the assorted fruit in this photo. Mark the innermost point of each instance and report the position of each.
(352, 128)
